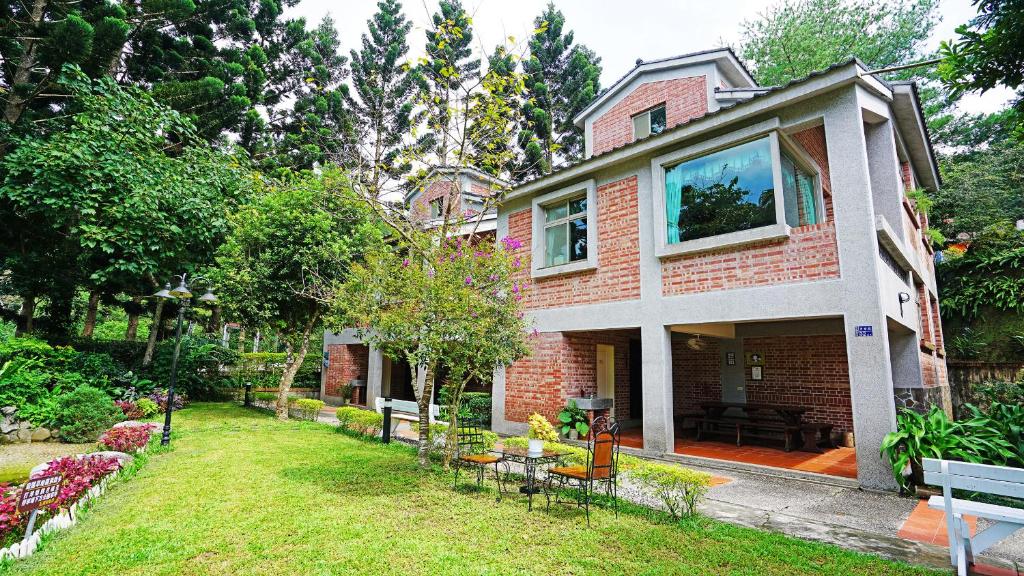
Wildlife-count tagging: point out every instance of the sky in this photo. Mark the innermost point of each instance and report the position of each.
(619, 31)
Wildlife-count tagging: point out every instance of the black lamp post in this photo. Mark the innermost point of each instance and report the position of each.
(184, 295)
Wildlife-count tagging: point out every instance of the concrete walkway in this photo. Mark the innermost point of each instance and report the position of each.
(815, 508)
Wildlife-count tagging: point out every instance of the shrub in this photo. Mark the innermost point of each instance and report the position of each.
(364, 422)
(80, 474)
(159, 397)
(127, 354)
(308, 408)
(85, 412)
(437, 432)
(541, 429)
(130, 409)
(10, 521)
(127, 438)
(22, 381)
(42, 412)
(476, 404)
(679, 489)
(147, 407)
(199, 366)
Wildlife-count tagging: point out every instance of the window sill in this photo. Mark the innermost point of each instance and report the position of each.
(570, 268)
(755, 235)
(927, 346)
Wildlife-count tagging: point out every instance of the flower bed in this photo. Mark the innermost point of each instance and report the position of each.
(127, 438)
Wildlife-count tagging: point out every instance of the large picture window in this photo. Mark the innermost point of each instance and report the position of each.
(726, 191)
(565, 231)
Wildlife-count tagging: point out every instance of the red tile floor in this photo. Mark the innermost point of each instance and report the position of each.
(927, 525)
(834, 462)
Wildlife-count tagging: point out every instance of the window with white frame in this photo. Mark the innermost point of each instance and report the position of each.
(649, 123)
(436, 207)
(740, 188)
(565, 231)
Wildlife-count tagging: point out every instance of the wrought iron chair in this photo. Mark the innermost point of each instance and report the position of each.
(471, 450)
(602, 467)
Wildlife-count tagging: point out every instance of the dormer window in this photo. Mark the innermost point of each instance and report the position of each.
(649, 123)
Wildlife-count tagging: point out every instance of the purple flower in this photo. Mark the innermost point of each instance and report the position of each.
(515, 288)
(430, 273)
(511, 243)
(493, 278)
(517, 262)
(405, 263)
(469, 280)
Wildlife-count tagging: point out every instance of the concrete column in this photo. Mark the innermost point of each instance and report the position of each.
(498, 423)
(867, 342)
(656, 345)
(374, 376)
(884, 167)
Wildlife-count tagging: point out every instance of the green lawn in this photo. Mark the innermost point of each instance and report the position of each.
(244, 494)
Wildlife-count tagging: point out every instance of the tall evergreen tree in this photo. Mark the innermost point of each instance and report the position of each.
(451, 75)
(381, 99)
(562, 79)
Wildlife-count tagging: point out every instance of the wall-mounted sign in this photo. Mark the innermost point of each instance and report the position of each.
(865, 330)
(755, 373)
(39, 492)
(754, 358)
(730, 358)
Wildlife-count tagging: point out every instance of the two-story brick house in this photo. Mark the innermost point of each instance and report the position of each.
(723, 241)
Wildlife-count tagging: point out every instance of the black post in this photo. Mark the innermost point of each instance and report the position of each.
(386, 432)
(174, 377)
(248, 394)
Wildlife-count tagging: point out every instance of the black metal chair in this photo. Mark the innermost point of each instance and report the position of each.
(471, 450)
(602, 467)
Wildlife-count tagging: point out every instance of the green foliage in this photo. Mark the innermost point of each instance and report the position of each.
(147, 407)
(21, 382)
(990, 275)
(437, 433)
(562, 79)
(572, 417)
(362, 422)
(85, 413)
(980, 188)
(980, 439)
(199, 364)
(541, 429)
(795, 38)
(308, 408)
(679, 489)
(43, 409)
(987, 53)
(474, 404)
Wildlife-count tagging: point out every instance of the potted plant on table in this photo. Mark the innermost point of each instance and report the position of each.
(573, 421)
(540, 431)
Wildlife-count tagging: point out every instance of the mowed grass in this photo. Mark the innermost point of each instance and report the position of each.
(244, 494)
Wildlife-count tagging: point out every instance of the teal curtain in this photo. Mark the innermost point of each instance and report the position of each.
(673, 201)
(805, 184)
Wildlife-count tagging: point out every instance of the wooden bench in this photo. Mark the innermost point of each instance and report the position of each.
(746, 428)
(814, 434)
(405, 410)
(983, 478)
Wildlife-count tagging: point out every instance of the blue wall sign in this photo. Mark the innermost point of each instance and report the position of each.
(864, 331)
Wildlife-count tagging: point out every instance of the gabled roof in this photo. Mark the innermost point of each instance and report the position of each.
(458, 171)
(850, 70)
(732, 67)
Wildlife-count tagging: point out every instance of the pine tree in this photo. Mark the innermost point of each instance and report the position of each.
(451, 74)
(495, 116)
(381, 98)
(562, 79)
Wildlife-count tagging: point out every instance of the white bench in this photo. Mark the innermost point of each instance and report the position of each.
(405, 410)
(998, 480)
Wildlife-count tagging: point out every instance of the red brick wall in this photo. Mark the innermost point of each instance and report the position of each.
(480, 189)
(617, 276)
(445, 187)
(563, 365)
(929, 377)
(810, 253)
(347, 362)
(696, 374)
(807, 371)
(684, 99)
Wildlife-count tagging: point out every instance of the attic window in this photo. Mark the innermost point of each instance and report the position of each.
(649, 123)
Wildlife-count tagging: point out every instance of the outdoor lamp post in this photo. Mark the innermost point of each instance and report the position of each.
(184, 296)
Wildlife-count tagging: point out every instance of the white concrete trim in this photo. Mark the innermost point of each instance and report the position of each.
(537, 268)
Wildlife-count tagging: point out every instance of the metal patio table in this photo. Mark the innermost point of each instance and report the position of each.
(530, 463)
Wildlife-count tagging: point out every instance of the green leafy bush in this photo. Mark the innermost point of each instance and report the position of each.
(363, 422)
(43, 410)
(572, 417)
(978, 440)
(85, 413)
(199, 366)
(127, 354)
(22, 381)
(308, 408)
(437, 432)
(147, 407)
(679, 489)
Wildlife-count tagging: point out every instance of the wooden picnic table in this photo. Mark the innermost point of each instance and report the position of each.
(790, 415)
(789, 423)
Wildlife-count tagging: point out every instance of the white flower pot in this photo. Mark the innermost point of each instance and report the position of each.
(574, 434)
(536, 446)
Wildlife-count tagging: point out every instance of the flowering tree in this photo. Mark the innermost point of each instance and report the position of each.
(458, 310)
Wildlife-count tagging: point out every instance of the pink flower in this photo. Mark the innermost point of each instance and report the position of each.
(515, 288)
(469, 280)
(517, 262)
(511, 243)
(405, 263)
(493, 278)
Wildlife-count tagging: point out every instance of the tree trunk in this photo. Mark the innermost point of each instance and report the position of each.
(90, 314)
(16, 102)
(154, 328)
(292, 367)
(28, 313)
(215, 327)
(425, 392)
(133, 321)
(452, 436)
